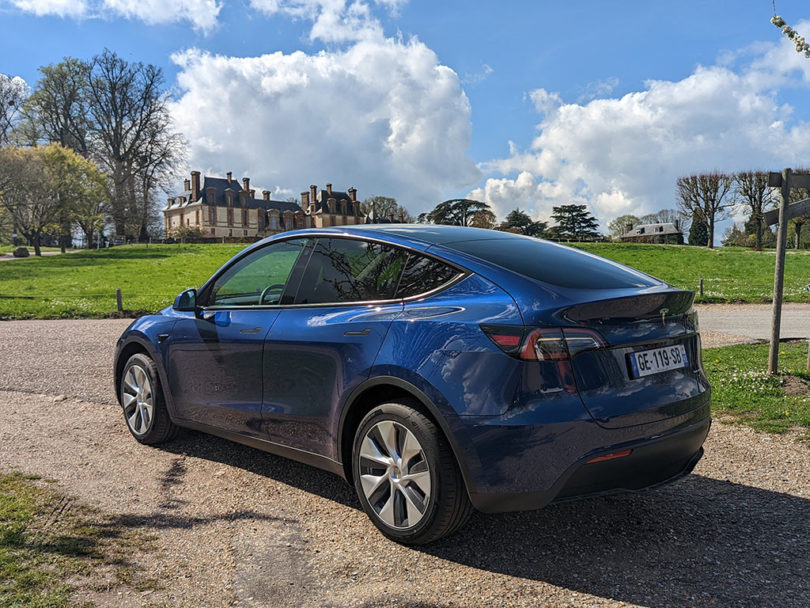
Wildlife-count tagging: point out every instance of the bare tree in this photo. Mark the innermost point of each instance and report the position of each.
(58, 105)
(705, 197)
(752, 191)
(13, 92)
(383, 207)
(130, 135)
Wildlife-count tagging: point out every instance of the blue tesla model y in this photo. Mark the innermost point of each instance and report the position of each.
(438, 369)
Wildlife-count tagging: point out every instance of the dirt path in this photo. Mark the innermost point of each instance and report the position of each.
(239, 527)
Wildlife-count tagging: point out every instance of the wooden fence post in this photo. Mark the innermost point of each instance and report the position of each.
(701, 288)
(119, 301)
(779, 275)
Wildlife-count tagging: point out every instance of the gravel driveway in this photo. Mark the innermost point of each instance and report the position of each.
(236, 526)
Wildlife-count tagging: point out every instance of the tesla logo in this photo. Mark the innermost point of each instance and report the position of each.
(664, 313)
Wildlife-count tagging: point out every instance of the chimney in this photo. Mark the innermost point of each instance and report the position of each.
(211, 195)
(353, 194)
(252, 193)
(246, 184)
(195, 185)
(628, 228)
(401, 218)
(313, 193)
(230, 176)
(305, 200)
(186, 185)
(229, 196)
(266, 195)
(329, 189)
(391, 217)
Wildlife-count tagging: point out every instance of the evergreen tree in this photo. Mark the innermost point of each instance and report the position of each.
(521, 223)
(699, 232)
(574, 222)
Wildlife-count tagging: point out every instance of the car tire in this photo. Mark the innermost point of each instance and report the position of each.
(141, 397)
(406, 476)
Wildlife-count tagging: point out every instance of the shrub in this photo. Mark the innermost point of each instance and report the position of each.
(21, 252)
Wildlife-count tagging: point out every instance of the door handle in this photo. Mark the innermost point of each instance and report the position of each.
(162, 337)
(363, 332)
(255, 330)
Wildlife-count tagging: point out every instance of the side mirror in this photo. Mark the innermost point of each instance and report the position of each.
(186, 301)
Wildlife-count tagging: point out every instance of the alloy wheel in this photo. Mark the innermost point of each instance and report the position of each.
(394, 474)
(138, 400)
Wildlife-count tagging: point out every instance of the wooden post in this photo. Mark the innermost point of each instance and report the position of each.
(701, 288)
(119, 301)
(779, 274)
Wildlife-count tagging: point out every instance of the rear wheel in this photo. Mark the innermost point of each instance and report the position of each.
(141, 397)
(406, 476)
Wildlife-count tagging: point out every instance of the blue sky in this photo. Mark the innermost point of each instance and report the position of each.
(527, 104)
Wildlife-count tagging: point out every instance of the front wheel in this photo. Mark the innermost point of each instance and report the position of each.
(141, 397)
(406, 476)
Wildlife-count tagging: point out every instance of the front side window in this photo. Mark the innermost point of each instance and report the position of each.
(347, 270)
(259, 278)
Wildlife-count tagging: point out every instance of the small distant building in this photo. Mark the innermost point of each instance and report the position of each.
(666, 232)
(222, 207)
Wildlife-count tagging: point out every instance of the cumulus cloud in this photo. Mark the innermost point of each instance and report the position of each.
(58, 8)
(201, 14)
(382, 115)
(623, 155)
(332, 20)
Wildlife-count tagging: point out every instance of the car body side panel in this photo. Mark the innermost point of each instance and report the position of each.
(312, 357)
(215, 368)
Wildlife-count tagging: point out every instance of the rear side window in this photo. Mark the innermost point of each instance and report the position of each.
(347, 270)
(554, 264)
(423, 274)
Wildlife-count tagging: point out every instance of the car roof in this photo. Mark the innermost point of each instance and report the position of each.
(431, 234)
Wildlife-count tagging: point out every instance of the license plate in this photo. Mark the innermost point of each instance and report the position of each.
(657, 360)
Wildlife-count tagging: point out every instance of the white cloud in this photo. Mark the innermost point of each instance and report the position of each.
(382, 115)
(201, 14)
(332, 20)
(58, 8)
(623, 155)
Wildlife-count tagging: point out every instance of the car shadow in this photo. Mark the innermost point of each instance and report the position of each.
(699, 541)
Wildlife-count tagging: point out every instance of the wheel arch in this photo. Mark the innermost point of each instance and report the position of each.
(141, 344)
(382, 389)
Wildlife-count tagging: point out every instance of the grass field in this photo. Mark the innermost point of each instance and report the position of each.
(729, 273)
(51, 547)
(743, 391)
(83, 284)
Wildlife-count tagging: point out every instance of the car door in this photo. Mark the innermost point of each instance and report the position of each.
(321, 348)
(215, 357)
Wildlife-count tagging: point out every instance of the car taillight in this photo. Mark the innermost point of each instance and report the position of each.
(543, 343)
(552, 347)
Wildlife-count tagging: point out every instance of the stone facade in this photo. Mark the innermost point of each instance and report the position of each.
(222, 207)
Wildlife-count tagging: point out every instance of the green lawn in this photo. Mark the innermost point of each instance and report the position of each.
(51, 546)
(83, 284)
(729, 273)
(743, 391)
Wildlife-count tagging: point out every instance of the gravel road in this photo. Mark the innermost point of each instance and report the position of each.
(236, 526)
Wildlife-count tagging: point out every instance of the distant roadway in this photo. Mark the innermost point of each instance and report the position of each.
(753, 321)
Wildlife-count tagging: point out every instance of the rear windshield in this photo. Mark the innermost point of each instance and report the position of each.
(554, 264)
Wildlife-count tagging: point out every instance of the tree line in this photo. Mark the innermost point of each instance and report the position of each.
(92, 142)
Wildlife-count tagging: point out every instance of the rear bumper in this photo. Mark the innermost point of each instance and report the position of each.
(654, 461)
